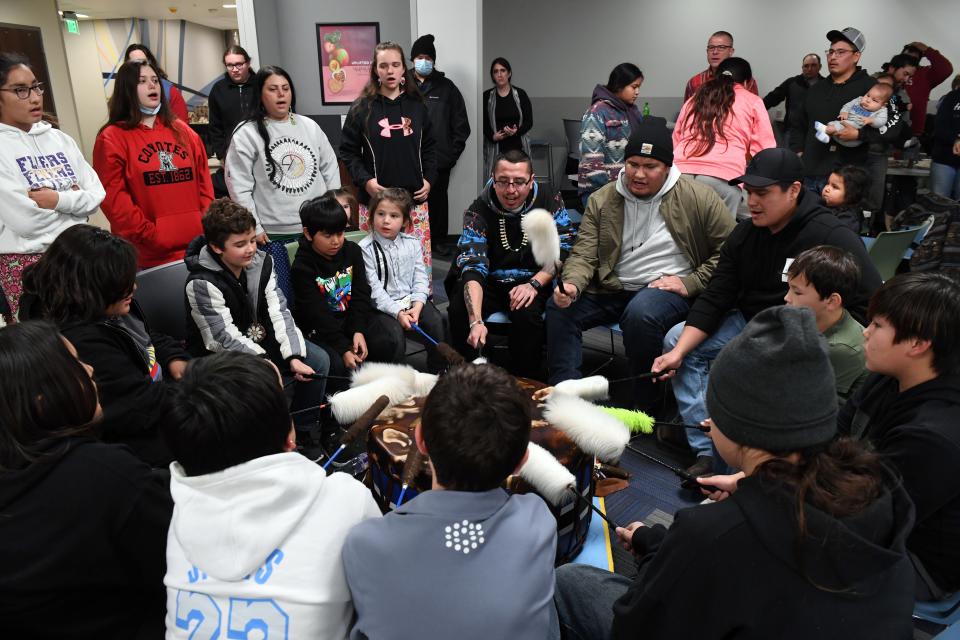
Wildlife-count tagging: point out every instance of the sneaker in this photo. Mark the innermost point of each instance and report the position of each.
(702, 468)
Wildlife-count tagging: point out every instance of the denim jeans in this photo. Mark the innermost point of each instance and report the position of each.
(584, 597)
(690, 383)
(308, 394)
(644, 316)
(945, 180)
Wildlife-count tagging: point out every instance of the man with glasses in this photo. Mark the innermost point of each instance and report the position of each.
(495, 270)
(719, 48)
(794, 90)
(822, 104)
(231, 98)
(648, 244)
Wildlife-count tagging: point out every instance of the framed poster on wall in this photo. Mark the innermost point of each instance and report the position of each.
(345, 52)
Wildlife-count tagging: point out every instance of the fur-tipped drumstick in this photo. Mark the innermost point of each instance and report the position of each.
(316, 407)
(676, 470)
(699, 427)
(410, 468)
(362, 424)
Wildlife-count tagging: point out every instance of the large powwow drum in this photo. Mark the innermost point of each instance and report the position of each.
(391, 439)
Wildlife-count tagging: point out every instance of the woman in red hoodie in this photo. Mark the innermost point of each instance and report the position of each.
(153, 167)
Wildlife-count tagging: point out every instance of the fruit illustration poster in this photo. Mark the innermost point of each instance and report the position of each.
(345, 52)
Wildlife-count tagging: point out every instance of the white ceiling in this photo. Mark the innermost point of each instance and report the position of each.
(206, 12)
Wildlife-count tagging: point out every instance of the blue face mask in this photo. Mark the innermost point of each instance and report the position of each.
(423, 66)
(150, 112)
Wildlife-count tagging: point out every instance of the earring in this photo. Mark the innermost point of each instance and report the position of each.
(403, 80)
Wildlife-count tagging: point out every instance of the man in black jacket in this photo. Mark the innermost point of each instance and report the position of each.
(231, 100)
(751, 276)
(909, 409)
(822, 104)
(451, 128)
(794, 90)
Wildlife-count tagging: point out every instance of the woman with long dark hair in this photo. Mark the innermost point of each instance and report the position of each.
(606, 127)
(278, 159)
(141, 53)
(85, 283)
(45, 183)
(154, 168)
(507, 115)
(82, 523)
(807, 541)
(720, 128)
(387, 140)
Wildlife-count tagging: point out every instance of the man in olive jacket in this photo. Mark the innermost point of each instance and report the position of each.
(648, 244)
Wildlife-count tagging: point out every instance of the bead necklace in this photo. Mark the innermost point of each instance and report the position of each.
(503, 237)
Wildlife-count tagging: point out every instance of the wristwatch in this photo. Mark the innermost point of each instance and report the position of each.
(535, 284)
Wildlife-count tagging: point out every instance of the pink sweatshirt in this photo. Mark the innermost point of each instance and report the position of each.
(747, 130)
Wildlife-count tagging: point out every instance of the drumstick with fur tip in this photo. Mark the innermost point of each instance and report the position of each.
(681, 473)
(362, 423)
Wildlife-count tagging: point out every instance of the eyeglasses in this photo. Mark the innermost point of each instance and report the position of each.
(506, 184)
(236, 65)
(837, 52)
(718, 47)
(24, 92)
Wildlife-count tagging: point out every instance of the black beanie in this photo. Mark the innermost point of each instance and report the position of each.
(772, 386)
(651, 139)
(424, 45)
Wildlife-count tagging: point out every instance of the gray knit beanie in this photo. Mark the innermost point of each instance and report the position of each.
(772, 386)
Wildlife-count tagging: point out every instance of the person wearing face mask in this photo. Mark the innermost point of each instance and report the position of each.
(141, 53)
(46, 185)
(278, 159)
(606, 126)
(451, 128)
(154, 169)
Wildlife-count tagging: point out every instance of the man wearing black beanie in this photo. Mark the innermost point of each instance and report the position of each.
(648, 244)
(451, 128)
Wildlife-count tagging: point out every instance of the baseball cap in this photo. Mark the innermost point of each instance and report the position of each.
(772, 166)
(851, 35)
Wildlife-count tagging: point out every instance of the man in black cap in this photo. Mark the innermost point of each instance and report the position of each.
(750, 277)
(451, 128)
(648, 244)
(823, 101)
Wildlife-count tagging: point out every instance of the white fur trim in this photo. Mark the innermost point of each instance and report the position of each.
(423, 383)
(551, 479)
(589, 388)
(594, 431)
(541, 229)
(349, 405)
(370, 371)
(480, 360)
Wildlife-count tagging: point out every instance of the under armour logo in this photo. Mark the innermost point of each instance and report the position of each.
(386, 127)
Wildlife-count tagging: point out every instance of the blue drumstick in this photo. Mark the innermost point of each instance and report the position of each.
(334, 456)
(417, 328)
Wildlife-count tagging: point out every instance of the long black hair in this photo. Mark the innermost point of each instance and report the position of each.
(85, 270)
(260, 113)
(47, 394)
(503, 62)
(713, 103)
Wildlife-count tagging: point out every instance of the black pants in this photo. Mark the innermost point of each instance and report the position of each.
(386, 336)
(439, 206)
(526, 334)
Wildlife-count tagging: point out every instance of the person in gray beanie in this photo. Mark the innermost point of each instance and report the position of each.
(807, 541)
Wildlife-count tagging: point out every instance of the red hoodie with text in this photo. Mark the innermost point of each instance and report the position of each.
(158, 186)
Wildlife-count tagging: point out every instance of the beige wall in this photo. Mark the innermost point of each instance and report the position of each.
(86, 84)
